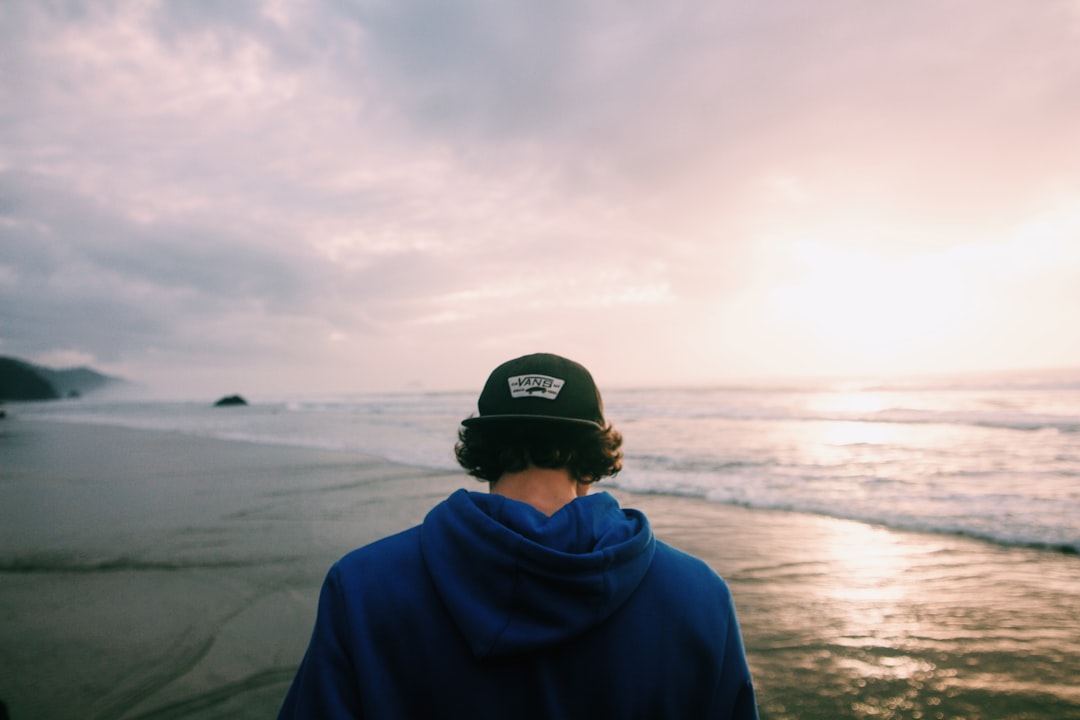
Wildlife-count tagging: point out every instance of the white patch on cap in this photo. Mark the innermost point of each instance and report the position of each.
(543, 386)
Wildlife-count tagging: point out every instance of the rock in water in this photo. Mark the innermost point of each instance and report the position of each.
(230, 400)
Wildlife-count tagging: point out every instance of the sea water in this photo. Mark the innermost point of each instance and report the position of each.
(994, 458)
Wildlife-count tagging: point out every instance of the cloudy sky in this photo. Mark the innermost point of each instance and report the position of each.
(275, 197)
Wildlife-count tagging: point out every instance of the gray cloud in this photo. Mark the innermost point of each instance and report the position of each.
(318, 174)
(86, 277)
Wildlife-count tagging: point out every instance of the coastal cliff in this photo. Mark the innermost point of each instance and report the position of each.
(21, 380)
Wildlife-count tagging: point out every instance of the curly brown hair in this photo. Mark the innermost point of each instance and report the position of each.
(587, 453)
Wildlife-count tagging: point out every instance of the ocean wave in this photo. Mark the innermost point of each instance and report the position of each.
(919, 525)
(1045, 539)
(898, 416)
(692, 465)
(1003, 421)
(60, 563)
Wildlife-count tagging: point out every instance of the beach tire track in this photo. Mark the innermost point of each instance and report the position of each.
(199, 704)
(180, 658)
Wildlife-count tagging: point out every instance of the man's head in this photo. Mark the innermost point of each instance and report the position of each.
(539, 410)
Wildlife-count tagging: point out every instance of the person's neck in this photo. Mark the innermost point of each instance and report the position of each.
(546, 489)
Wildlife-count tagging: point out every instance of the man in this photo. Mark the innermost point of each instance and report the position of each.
(535, 600)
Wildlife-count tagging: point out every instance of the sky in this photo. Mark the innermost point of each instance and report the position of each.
(328, 196)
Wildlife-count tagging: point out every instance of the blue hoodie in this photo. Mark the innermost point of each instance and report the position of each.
(491, 609)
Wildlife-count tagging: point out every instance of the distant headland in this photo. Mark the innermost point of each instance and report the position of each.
(21, 380)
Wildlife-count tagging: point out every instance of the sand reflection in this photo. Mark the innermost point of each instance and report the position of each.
(848, 620)
(872, 561)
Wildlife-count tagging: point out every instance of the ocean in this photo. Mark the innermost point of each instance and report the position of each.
(163, 575)
(994, 458)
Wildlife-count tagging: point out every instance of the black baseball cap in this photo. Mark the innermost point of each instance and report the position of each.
(541, 386)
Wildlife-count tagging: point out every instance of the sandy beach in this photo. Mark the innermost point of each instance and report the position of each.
(156, 575)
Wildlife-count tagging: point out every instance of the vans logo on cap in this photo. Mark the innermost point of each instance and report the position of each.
(543, 386)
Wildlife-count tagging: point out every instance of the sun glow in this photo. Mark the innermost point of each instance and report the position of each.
(859, 309)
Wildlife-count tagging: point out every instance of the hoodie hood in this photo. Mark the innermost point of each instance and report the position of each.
(516, 580)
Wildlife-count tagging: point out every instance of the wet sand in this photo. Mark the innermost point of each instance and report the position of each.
(155, 575)
(847, 620)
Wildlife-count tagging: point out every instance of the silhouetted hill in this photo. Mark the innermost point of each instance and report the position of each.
(20, 380)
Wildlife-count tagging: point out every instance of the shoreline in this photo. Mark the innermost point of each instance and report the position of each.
(170, 555)
(1061, 548)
